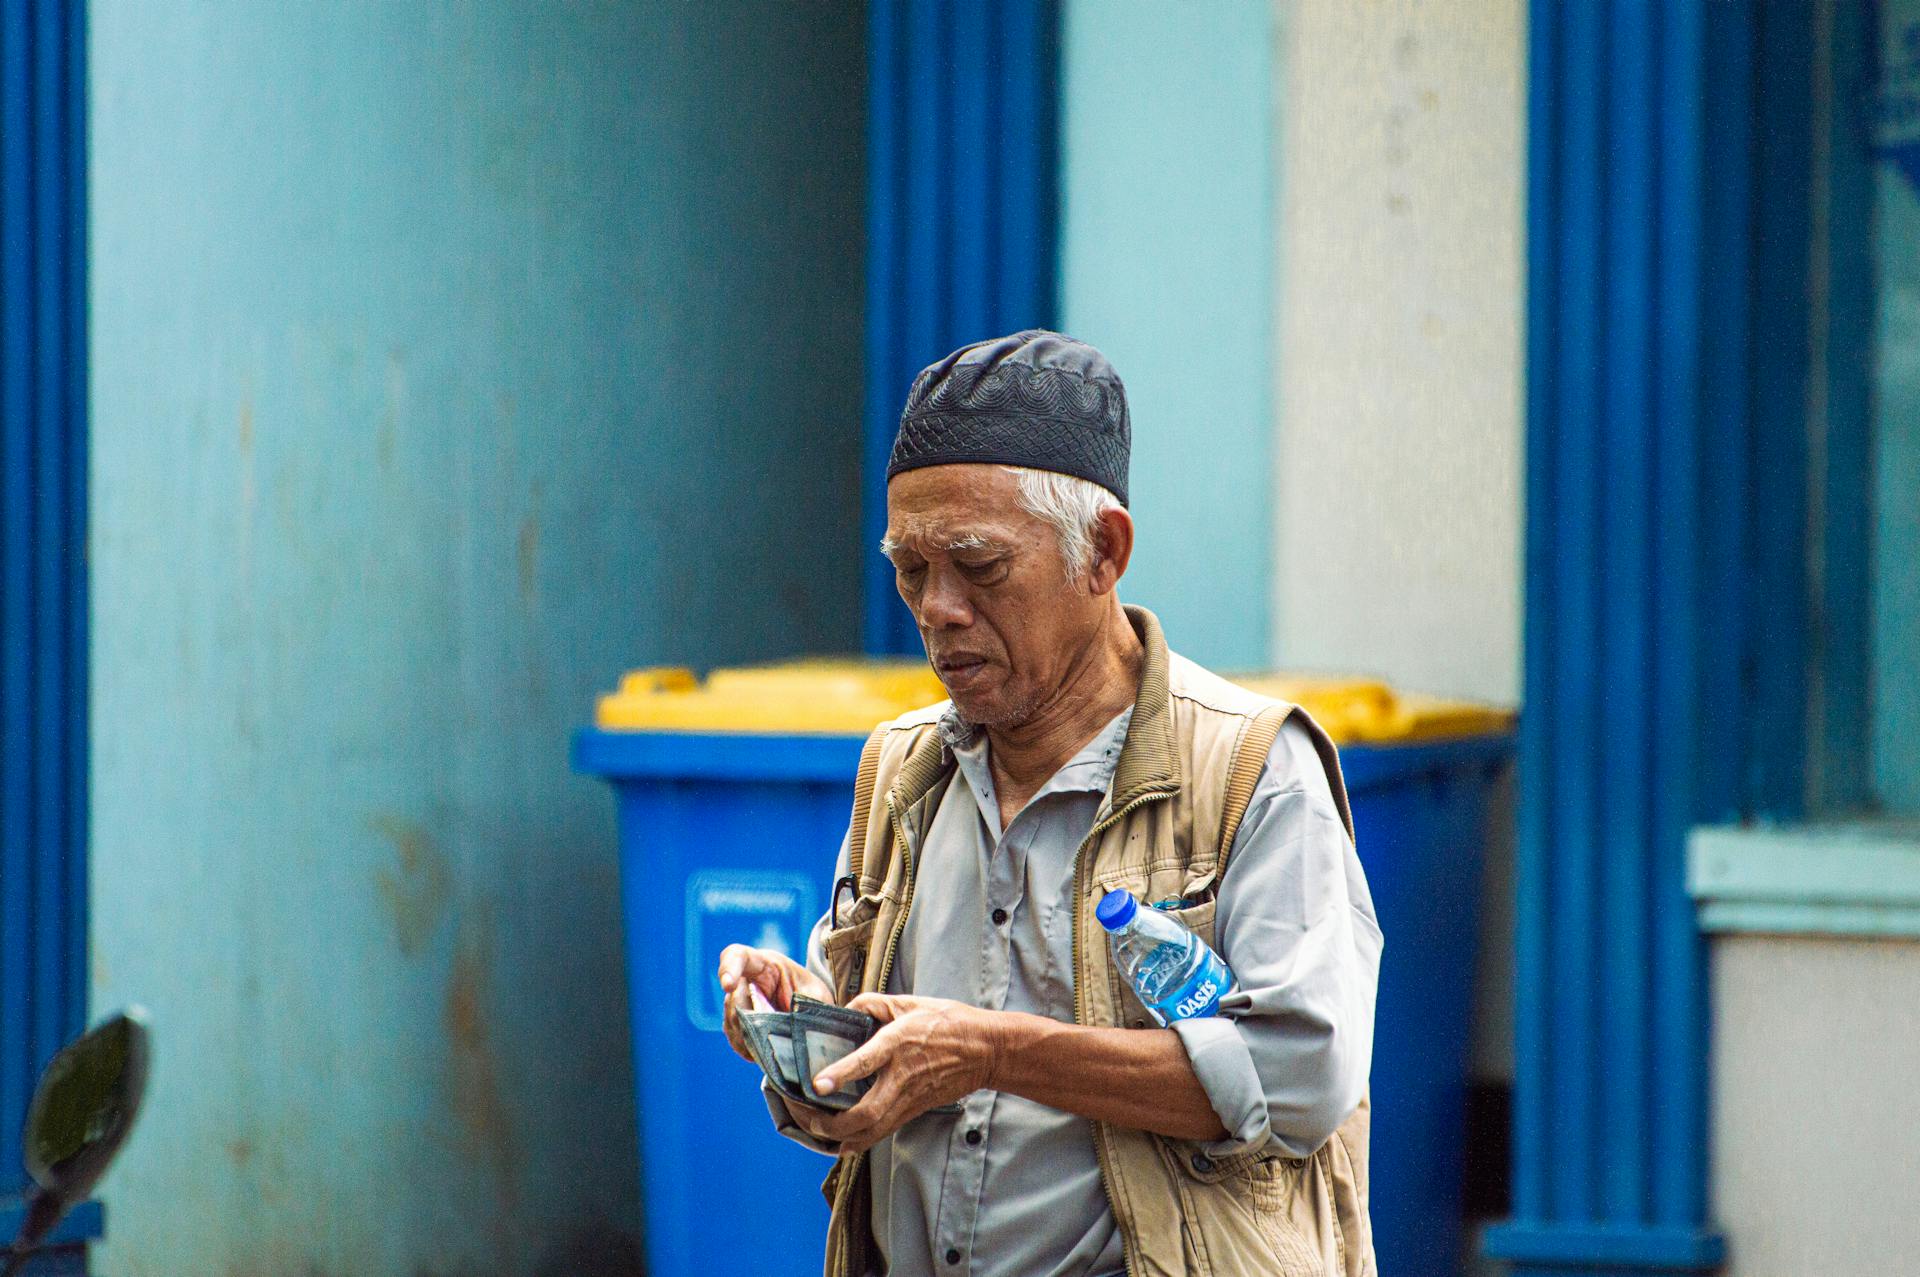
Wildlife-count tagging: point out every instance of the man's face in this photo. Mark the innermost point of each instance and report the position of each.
(988, 588)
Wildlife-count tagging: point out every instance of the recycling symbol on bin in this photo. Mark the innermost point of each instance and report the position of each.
(763, 908)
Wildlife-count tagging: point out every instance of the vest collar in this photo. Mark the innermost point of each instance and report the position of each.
(1148, 762)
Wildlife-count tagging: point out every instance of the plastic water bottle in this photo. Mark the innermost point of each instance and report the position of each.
(1175, 973)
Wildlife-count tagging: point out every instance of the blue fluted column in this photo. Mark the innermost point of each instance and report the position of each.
(1640, 543)
(43, 649)
(962, 213)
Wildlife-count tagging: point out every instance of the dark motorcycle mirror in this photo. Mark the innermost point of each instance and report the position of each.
(81, 1113)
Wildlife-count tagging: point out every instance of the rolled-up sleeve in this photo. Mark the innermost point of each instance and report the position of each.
(816, 962)
(1287, 1058)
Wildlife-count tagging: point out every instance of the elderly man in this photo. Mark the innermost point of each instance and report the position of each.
(1025, 1115)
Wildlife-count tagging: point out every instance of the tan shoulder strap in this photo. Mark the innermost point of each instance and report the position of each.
(1249, 757)
(863, 802)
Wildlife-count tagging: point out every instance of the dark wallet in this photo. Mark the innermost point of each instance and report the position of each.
(791, 1047)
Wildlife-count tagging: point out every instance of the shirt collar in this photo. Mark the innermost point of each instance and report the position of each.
(1091, 769)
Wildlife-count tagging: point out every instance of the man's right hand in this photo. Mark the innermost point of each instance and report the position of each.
(776, 975)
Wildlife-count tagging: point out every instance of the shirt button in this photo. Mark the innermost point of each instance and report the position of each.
(974, 1137)
(953, 1256)
(999, 917)
(1202, 1163)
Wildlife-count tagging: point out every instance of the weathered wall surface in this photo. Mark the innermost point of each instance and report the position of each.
(1814, 1107)
(448, 359)
(1400, 342)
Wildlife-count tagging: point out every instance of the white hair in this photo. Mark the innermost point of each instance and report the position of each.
(1072, 506)
(1068, 504)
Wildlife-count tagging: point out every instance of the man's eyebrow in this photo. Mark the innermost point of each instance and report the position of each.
(967, 541)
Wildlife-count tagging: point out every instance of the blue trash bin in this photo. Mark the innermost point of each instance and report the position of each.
(728, 835)
(1420, 815)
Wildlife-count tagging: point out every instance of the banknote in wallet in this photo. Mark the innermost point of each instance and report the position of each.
(825, 1034)
(791, 1047)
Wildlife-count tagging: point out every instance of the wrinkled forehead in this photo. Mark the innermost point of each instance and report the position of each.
(956, 507)
(923, 532)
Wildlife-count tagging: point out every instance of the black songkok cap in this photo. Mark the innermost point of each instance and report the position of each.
(1034, 399)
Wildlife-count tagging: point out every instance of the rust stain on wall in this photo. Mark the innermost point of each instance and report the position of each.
(474, 1091)
(416, 889)
(527, 547)
(527, 553)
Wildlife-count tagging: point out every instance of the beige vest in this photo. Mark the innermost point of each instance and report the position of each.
(1194, 750)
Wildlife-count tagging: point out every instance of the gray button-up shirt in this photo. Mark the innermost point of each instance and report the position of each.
(1009, 1187)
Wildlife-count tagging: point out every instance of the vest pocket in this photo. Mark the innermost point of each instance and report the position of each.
(1197, 919)
(845, 952)
(1163, 889)
(1251, 1214)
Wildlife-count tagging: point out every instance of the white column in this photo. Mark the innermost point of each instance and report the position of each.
(1400, 139)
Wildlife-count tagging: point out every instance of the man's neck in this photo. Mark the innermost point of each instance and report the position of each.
(1104, 679)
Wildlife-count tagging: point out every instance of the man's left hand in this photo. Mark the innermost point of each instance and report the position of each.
(928, 1052)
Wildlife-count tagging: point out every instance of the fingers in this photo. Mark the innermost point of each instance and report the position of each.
(742, 965)
(885, 1007)
(856, 1128)
(730, 1023)
(880, 1112)
(765, 981)
(813, 1121)
(863, 1061)
(737, 962)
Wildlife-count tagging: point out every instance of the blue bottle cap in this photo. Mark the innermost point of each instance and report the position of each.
(1116, 909)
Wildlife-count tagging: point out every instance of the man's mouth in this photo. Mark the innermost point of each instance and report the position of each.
(960, 669)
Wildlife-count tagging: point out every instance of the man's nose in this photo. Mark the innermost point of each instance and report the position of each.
(943, 604)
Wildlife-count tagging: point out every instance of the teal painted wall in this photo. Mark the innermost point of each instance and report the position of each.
(448, 359)
(1166, 251)
(1896, 583)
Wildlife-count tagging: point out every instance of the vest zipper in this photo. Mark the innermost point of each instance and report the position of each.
(1080, 870)
(1079, 893)
(886, 969)
(906, 899)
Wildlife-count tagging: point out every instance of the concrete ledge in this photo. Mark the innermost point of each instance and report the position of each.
(1854, 879)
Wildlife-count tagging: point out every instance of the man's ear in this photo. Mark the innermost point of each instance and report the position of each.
(1112, 550)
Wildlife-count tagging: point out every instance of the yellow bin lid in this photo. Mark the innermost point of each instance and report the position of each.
(820, 696)
(1357, 711)
(839, 697)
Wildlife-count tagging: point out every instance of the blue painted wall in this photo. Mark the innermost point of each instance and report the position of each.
(1896, 464)
(1166, 250)
(448, 359)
